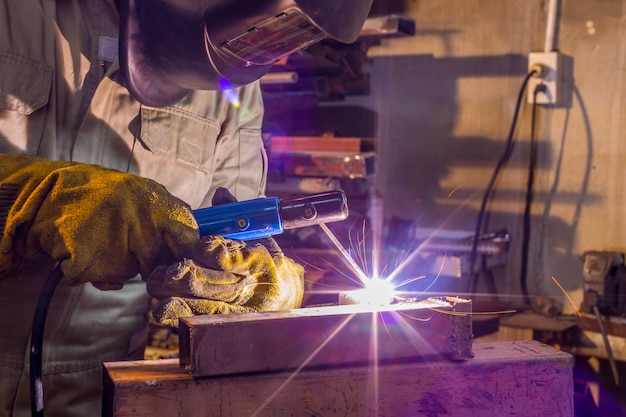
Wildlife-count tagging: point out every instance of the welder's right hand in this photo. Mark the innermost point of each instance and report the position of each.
(104, 226)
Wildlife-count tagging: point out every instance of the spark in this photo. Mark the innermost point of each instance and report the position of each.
(434, 280)
(454, 190)
(568, 297)
(376, 290)
(359, 247)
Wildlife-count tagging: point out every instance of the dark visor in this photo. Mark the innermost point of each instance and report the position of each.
(269, 41)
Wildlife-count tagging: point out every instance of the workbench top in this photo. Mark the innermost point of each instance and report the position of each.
(524, 378)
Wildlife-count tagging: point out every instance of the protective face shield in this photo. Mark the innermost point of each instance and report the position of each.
(170, 47)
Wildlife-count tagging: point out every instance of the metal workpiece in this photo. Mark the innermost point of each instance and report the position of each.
(326, 336)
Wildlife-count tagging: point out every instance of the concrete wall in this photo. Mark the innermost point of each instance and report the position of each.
(445, 100)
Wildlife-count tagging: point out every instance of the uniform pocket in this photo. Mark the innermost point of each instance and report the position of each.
(178, 134)
(25, 87)
(24, 83)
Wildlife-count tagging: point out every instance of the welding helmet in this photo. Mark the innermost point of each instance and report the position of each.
(170, 47)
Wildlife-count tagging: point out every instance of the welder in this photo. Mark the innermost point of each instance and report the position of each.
(112, 128)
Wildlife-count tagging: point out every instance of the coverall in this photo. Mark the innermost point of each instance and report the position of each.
(61, 98)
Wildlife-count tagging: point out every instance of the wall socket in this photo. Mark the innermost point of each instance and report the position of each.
(550, 67)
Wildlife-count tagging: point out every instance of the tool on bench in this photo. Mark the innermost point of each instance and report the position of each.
(604, 294)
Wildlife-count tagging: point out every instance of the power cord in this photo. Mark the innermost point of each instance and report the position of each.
(500, 164)
(532, 164)
(36, 341)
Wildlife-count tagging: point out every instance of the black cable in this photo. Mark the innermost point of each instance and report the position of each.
(36, 341)
(501, 162)
(532, 163)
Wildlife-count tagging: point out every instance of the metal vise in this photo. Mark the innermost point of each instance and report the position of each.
(604, 282)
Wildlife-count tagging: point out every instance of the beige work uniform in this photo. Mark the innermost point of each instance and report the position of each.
(59, 99)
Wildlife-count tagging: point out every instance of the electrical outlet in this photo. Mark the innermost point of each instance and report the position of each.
(549, 66)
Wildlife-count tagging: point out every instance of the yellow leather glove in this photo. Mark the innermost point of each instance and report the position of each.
(104, 226)
(226, 276)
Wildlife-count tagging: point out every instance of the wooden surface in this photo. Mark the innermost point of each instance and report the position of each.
(325, 336)
(615, 326)
(521, 379)
(579, 336)
(530, 320)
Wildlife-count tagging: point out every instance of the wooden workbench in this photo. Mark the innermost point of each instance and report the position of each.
(525, 378)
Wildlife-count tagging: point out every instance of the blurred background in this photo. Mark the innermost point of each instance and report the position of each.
(464, 179)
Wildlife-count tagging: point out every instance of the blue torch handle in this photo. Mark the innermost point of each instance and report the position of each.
(265, 217)
(243, 220)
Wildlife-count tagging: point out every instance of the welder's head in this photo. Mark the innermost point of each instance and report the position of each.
(170, 47)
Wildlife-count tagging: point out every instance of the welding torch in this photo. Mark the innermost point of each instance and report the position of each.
(264, 217)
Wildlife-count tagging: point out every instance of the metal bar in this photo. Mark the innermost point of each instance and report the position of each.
(327, 336)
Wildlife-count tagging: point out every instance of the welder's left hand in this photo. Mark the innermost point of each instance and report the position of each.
(226, 276)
